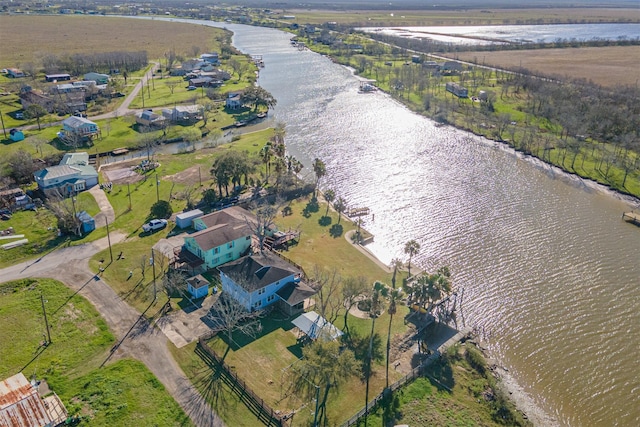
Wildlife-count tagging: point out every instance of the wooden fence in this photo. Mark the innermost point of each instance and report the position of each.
(257, 405)
(415, 373)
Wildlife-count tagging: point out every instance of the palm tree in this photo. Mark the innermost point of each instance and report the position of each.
(319, 169)
(340, 206)
(378, 291)
(329, 196)
(265, 153)
(393, 296)
(411, 248)
(396, 263)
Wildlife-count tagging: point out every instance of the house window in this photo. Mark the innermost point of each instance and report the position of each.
(271, 297)
(261, 291)
(216, 260)
(257, 304)
(216, 250)
(229, 255)
(248, 238)
(230, 245)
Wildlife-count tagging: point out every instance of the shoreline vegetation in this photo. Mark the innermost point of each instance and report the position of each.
(553, 119)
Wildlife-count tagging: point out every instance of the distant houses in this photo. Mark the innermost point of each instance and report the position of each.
(15, 73)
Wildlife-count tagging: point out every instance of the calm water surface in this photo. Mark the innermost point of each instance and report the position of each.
(489, 34)
(549, 269)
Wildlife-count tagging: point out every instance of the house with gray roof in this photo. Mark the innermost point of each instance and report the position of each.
(221, 236)
(73, 175)
(78, 129)
(262, 280)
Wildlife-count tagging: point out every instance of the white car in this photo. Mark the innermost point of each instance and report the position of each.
(154, 224)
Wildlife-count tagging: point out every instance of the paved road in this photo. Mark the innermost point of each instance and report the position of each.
(137, 339)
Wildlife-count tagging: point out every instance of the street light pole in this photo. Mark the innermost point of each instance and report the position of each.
(46, 322)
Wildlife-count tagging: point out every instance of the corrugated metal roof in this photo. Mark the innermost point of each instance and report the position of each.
(20, 404)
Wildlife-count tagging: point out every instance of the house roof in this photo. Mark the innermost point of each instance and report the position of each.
(198, 281)
(75, 122)
(316, 326)
(81, 158)
(295, 292)
(220, 234)
(234, 215)
(254, 272)
(64, 171)
(20, 403)
(187, 108)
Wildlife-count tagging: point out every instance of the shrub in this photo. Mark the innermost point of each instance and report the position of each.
(161, 209)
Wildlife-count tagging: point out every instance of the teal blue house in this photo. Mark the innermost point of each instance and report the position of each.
(222, 236)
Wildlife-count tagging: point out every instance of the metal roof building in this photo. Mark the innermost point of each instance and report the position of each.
(22, 406)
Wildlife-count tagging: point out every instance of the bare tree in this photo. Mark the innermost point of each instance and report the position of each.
(228, 316)
(352, 288)
(174, 282)
(65, 212)
(328, 301)
(265, 214)
(142, 263)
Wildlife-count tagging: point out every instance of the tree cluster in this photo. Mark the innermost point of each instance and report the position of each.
(80, 63)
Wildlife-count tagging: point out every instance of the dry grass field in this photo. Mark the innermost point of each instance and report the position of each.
(606, 66)
(27, 38)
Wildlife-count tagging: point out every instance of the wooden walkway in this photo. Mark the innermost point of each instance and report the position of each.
(632, 217)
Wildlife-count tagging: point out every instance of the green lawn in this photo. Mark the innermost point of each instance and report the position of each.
(121, 394)
(39, 227)
(454, 392)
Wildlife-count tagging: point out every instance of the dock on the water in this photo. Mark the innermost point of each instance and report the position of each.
(632, 217)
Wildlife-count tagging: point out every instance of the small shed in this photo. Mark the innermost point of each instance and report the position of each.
(16, 135)
(185, 219)
(88, 223)
(198, 286)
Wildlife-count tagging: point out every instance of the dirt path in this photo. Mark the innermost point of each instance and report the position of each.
(106, 210)
(136, 339)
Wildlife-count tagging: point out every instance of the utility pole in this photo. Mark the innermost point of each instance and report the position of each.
(152, 261)
(4, 130)
(109, 238)
(142, 92)
(129, 194)
(157, 188)
(46, 322)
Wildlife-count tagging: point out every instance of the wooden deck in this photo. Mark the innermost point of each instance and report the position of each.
(632, 217)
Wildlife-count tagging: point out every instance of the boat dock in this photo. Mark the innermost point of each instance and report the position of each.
(358, 212)
(632, 217)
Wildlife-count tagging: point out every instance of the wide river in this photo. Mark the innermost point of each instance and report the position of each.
(550, 272)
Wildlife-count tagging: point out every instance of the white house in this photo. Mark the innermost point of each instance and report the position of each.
(72, 175)
(261, 280)
(233, 101)
(183, 113)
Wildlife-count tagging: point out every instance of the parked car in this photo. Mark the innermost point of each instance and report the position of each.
(191, 88)
(19, 115)
(154, 224)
